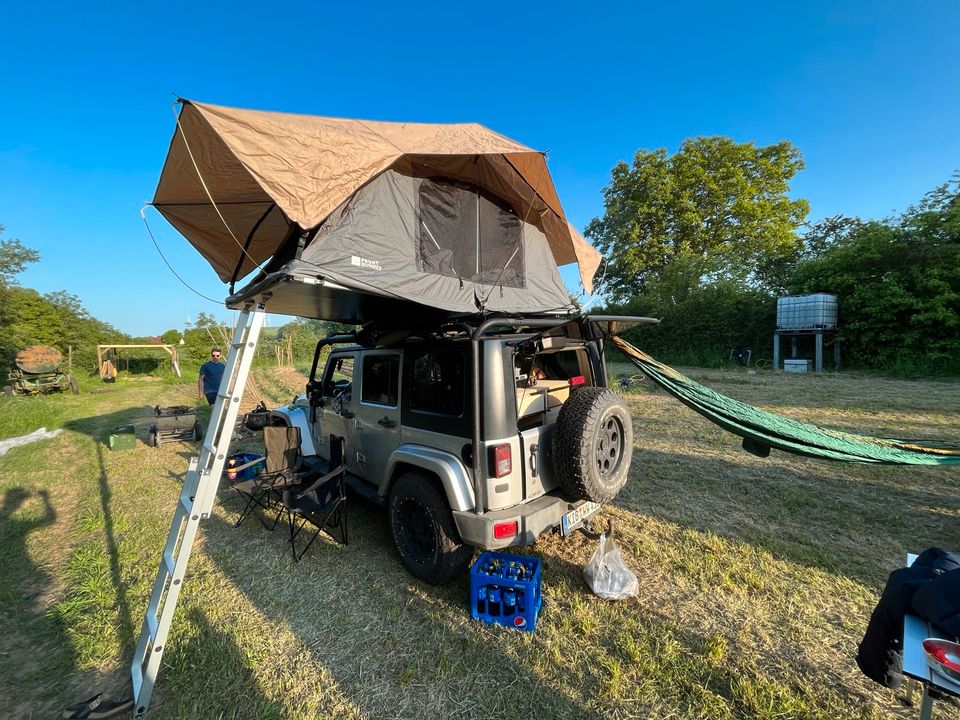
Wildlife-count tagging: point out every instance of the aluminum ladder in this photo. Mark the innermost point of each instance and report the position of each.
(194, 505)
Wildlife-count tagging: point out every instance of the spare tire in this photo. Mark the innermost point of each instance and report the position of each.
(592, 444)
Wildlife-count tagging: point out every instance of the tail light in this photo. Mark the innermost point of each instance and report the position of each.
(505, 530)
(502, 460)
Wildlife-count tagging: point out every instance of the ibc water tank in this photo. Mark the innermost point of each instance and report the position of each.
(807, 312)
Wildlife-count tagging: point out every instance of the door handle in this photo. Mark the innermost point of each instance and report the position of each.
(534, 449)
(386, 422)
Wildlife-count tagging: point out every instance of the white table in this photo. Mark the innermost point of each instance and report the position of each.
(915, 665)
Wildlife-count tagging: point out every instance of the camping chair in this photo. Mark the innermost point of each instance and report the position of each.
(319, 501)
(283, 460)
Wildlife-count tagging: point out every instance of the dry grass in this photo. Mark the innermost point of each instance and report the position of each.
(757, 577)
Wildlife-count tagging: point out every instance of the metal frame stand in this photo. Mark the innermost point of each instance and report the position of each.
(818, 338)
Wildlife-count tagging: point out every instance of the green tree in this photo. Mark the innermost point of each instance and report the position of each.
(898, 285)
(715, 210)
(14, 257)
(171, 337)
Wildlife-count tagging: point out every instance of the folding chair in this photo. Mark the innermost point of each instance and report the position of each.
(283, 460)
(321, 503)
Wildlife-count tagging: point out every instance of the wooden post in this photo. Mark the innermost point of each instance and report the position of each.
(776, 351)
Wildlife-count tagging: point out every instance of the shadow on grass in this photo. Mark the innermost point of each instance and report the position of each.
(394, 647)
(32, 642)
(98, 428)
(209, 660)
(847, 520)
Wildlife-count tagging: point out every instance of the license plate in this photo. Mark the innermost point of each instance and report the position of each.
(574, 519)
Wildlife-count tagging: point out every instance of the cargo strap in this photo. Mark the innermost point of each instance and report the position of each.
(763, 430)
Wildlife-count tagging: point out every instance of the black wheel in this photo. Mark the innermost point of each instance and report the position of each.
(152, 438)
(74, 386)
(197, 432)
(424, 532)
(593, 444)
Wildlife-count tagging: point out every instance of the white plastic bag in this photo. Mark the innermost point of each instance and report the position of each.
(606, 573)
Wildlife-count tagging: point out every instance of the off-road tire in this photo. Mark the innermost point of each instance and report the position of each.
(197, 432)
(152, 438)
(423, 530)
(592, 444)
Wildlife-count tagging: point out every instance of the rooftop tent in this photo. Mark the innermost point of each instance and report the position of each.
(347, 218)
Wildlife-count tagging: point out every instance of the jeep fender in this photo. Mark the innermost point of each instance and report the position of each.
(296, 416)
(446, 466)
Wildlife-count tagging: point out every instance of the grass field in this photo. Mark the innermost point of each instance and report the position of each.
(757, 576)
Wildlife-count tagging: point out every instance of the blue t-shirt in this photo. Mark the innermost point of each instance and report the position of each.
(212, 372)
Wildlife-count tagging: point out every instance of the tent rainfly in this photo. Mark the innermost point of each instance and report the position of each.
(356, 220)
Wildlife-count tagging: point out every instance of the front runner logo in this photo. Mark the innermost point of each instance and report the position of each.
(366, 263)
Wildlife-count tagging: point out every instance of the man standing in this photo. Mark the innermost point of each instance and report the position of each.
(211, 373)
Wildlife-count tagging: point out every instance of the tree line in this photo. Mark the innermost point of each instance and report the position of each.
(708, 238)
(705, 239)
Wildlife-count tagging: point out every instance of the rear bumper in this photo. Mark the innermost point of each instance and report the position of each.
(533, 519)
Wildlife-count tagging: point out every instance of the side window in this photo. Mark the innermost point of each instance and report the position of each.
(339, 375)
(381, 379)
(437, 383)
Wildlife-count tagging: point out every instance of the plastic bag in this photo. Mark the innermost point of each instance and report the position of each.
(607, 574)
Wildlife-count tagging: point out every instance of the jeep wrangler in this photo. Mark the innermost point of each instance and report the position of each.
(531, 393)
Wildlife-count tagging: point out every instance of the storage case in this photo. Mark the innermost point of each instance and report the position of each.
(505, 589)
(122, 438)
(240, 459)
(797, 366)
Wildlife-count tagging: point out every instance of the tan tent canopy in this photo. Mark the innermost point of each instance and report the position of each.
(273, 176)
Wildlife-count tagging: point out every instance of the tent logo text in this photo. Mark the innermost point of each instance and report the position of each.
(362, 262)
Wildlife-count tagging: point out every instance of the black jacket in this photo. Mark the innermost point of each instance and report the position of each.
(880, 655)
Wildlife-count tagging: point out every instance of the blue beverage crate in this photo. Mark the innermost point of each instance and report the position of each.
(505, 589)
(239, 459)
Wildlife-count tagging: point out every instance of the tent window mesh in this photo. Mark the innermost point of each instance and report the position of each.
(465, 233)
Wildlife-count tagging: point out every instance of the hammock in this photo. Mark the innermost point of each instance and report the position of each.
(762, 430)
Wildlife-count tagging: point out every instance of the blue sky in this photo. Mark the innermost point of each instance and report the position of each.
(869, 92)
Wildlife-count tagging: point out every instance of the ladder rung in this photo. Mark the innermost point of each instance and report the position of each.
(169, 561)
(210, 448)
(153, 624)
(240, 344)
(137, 677)
(226, 396)
(186, 503)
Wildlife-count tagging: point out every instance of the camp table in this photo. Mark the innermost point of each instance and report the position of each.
(915, 665)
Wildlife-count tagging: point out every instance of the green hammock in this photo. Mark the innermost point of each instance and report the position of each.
(762, 430)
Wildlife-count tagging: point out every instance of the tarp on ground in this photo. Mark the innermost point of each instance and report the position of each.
(276, 179)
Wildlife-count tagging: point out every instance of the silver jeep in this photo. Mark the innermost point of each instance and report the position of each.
(554, 442)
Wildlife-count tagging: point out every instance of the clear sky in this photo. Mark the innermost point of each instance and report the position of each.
(869, 92)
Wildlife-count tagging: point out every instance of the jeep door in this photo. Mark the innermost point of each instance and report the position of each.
(377, 424)
(337, 410)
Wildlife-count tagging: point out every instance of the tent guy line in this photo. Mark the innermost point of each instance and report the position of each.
(163, 257)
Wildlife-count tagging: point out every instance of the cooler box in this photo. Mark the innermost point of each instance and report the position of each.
(798, 366)
(505, 589)
(122, 438)
(241, 459)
